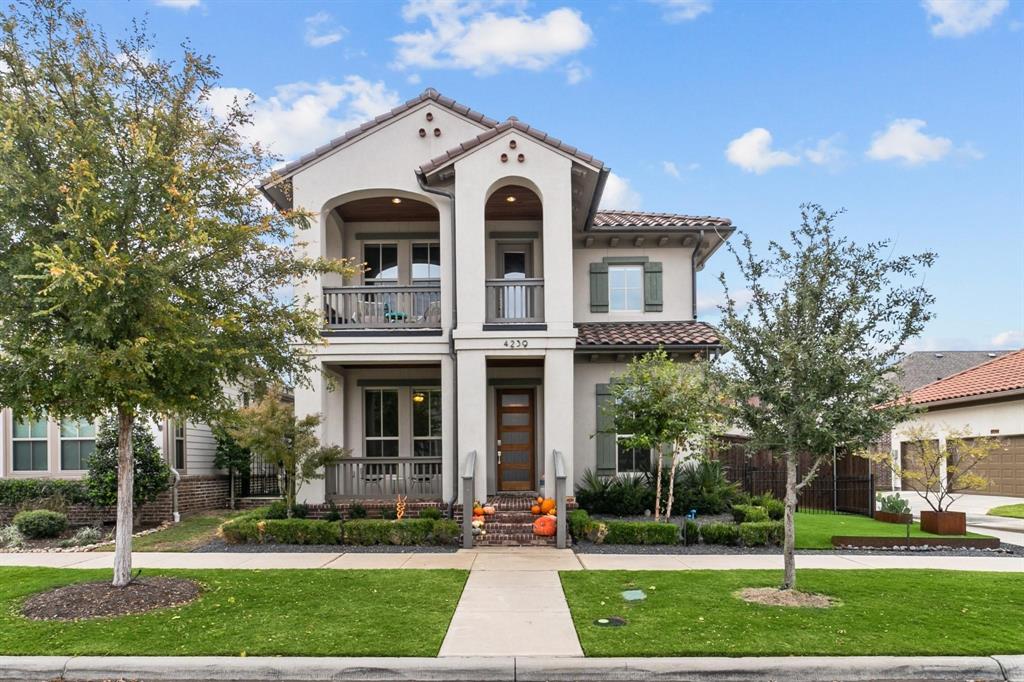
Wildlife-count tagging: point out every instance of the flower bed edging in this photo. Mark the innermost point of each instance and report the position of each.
(860, 542)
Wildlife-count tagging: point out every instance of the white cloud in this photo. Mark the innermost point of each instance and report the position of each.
(576, 72)
(970, 152)
(676, 11)
(1009, 339)
(321, 31)
(708, 303)
(670, 169)
(619, 194)
(299, 117)
(470, 34)
(827, 152)
(183, 5)
(413, 79)
(958, 18)
(904, 140)
(753, 152)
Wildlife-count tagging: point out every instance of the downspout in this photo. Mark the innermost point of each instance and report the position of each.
(422, 180)
(693, 274)
(174, 496)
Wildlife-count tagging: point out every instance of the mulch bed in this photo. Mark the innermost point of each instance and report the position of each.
(101, 599)
(772, 596)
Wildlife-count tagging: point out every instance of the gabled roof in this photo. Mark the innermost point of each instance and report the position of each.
(626, 335)
(624, 221)
(511, 124)
(999, 375)
(924, 367)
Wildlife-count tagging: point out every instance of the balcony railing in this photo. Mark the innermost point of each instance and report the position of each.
(515, 301)
(382, 478)
(383, 307)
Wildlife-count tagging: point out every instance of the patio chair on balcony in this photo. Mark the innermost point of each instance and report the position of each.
(431, 317)
(370, 312)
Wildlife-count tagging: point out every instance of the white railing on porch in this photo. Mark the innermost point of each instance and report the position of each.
(515, 300)
(382, 478)
(383, 307)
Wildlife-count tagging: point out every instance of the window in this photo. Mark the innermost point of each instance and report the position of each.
(381, 263)
(30, 446)
(381, 415)
(426, 423)
(626, 288)
(426, 261)
(630, 459)
(178, 445)
(77, 443)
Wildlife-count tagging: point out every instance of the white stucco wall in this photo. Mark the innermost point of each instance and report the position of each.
(587, 376)
(677, 282)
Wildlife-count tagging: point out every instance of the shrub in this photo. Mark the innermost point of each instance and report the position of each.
(152, 476)
(281, 531)
(367, 532)
(776, 509)
(446, 532)
(356, 511)
(627, 495)
(41, 523)
(579, 522)
(720, 534)
(690, 534)
(300, 511)
(278, 509)
(412, 532)
(389, 514)
(641, 533)
(592, 492)
(748, 513)
(11, 537)
(760, 533)
(87, 535)
(893, 504)
(431, 513)
(18, 491)
(332, 513)
(704, 487)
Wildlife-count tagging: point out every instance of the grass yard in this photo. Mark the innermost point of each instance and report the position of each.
(883, 612)
(256, 613)
(815, 531)
(1013, 511)
(192, 532)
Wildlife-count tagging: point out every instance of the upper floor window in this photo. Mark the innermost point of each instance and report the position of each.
(426, 423)
(426, 261)
(626, 288)
(381, 263)
(77, 443)
(29, 438)
(381, 422)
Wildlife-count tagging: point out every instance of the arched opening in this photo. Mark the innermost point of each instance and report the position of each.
(514, 218)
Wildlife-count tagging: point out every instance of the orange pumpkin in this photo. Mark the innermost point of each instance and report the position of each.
(488, 511)
(544, 526)
(540, 500)
(547, 505)
(535, 509)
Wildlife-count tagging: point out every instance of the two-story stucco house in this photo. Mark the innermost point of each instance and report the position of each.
(496, 304)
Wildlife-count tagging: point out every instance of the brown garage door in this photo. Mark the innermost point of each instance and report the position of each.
(1004, 468)
(909, 462)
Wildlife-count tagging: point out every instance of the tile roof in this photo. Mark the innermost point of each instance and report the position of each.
(510, 124)
(924, 367)
(626, 334)
(1005, 373)
(617, 221)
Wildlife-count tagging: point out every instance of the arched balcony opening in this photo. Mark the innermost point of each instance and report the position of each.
(396, 238)
(514, 217)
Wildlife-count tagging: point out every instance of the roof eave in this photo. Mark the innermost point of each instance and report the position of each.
(973, 399)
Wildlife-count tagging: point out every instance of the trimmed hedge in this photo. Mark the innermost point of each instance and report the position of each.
(281, 531)
(761, 533)
(743, 513)
(720, 534)
(40, 523)
(689, 533)
(641, 533)
(447, 532)
(404, 532)
(431, 513)
(15, 491)
(579, 523)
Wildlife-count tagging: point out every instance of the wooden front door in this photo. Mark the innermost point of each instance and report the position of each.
(515, 444)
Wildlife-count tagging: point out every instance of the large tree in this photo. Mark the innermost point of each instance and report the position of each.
(141, 271)
(810, 356)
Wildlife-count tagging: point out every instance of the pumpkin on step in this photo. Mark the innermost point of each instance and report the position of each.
(535, 509)
(488, 511)
(547, 505)
(544, 526)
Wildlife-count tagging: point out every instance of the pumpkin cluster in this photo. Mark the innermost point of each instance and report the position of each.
(544, 505)
(480, 512)
(545, 510)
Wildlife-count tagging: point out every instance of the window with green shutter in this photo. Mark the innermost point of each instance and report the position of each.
(652, 288)
(626, 284)
(598, 288)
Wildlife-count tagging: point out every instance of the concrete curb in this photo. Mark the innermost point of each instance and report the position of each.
(507, 669)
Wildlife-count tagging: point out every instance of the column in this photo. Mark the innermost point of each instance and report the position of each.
(558, 415)
(449, 458)
(472, 407)
(309, 399)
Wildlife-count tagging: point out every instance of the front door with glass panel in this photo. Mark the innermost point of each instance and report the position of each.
(515, 444)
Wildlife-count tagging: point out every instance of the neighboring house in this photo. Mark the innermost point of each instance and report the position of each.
(496, 305)
(984, 400)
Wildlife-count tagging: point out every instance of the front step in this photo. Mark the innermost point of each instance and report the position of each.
(511, 525)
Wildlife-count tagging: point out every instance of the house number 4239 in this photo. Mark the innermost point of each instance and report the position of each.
(516, 343)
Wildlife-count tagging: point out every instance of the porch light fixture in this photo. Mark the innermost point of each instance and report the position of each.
(418, 397)
(510, 199)
(396, 200)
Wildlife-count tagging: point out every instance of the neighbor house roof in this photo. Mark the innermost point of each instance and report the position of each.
(924, 367)
(511, 124)
(645, 334)
(619, 221)
(999, 375)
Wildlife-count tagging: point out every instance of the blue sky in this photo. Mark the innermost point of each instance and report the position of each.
(908, 114)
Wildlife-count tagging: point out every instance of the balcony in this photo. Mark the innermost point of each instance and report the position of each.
(515, 301)
(382, 478)
(383, 307)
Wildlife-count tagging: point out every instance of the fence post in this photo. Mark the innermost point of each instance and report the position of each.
(871, 492)
(468, 490)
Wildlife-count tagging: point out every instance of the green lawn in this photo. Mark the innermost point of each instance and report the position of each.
(815, 531)
(265, 613)
(1013, 511)
(192, 532)
(693, 613)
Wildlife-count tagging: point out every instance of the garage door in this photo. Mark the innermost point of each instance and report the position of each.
(1004, 468)
(909, 462)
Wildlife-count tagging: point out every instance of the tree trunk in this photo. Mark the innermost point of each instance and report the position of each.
(125, 486)
(789, 544)
(671, 486)
(657, 488)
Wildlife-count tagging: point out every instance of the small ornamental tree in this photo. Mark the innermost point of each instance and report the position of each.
(141, 269)
(229, 455)
(270, 429)
(809, 357)
(662, 404)
(151, 475)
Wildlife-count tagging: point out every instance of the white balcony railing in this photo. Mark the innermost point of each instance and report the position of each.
(383, 307)
(515, 301)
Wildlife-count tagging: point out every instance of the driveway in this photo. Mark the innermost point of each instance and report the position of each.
(978, 521)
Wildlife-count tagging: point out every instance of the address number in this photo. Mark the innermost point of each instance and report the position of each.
(516, 343)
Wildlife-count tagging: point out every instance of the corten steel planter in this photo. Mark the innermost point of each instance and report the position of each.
(893, 517)
(944, 523)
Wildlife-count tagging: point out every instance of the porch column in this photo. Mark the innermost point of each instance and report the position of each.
(558, 415)
(310, 400)
(449, 458)
(472, 407)
(332, 419)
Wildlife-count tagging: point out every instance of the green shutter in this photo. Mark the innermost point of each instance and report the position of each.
(652, 287)
(598, 288)
(605, 437)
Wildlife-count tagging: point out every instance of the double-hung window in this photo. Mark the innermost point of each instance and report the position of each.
(626, 288)
(426, 262)
(77, 443)
(29, 438)
(381, 415)
(426, 423)
(628, 459)
(381, 263)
